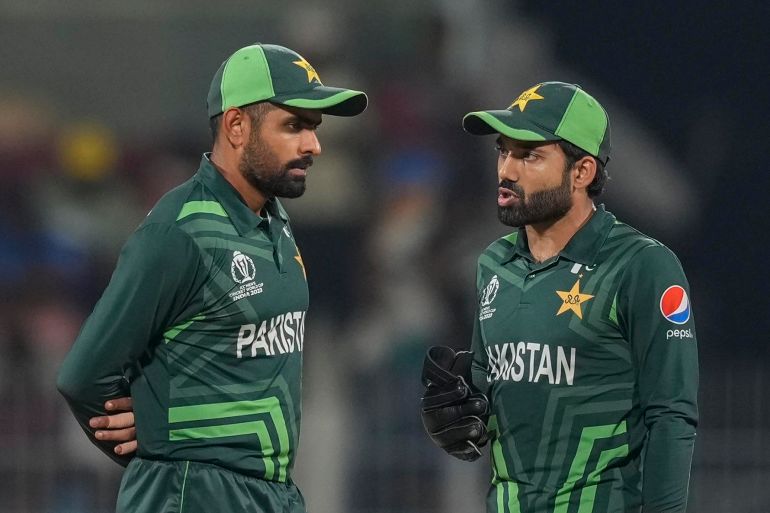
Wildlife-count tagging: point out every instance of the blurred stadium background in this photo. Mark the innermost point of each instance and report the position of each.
(102, 109)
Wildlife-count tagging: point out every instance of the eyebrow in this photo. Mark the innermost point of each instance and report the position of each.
(525, 145)
(304, 120)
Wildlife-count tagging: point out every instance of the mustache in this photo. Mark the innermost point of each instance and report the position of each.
(516, 188)
(301, 163)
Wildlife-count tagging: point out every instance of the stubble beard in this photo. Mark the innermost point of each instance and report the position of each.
(263, 170)
(544, 206)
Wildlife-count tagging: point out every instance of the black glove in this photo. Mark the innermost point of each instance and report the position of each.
(454, 416)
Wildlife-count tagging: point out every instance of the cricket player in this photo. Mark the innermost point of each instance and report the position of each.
(203, 321)
(584, 369)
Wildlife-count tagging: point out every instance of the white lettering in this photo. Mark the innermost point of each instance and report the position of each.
(544, 369)
(517, 365)
(562, 365)
(532, 347)
(288, 342)
(245, 337)
(502, 361)
(280, 335)
(272, 335)
(260, 341)
(681, 334)
(301, 340)
(493, 373)
(513, 361)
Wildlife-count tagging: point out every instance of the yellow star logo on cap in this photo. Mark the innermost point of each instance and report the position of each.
(312, 74)
(526, 96)
(572, 300)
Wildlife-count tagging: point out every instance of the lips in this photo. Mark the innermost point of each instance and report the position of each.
(506, 197)
(299, 167)
(298, 172)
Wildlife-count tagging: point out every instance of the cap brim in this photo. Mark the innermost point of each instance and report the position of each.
(329, 100)
(507, 123)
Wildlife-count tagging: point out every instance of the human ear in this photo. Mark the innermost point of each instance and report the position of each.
(233, 127)
(585, 171)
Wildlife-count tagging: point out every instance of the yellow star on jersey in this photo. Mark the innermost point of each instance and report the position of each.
(298, 258)
(527, 96)
(572, 300)
(311, 72)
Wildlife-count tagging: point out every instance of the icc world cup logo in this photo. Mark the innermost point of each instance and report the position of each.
(242, 269)
(490, 293)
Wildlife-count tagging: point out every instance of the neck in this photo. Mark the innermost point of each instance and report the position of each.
(227, 164)
(545, 240)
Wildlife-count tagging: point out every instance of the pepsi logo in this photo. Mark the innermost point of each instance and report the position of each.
(675, 305)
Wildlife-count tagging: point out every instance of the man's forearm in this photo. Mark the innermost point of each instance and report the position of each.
(86, 396)
(141, 300)
(667, 462)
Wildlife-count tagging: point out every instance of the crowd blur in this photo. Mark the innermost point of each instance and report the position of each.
(398, 206)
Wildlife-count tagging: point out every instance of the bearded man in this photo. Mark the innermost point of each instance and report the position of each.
(584, 366)
(200, 332)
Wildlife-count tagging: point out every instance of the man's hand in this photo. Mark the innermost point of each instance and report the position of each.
(117, 427)
(453, 414)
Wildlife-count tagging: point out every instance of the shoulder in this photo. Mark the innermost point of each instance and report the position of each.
(624, 237)
(171, 204)
(158, 244)
(656, 259)
(193, 209)
(645, 261)
(500, 250)
(625, 245)
(160, 234)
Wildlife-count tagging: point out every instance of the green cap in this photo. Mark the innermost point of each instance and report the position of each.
(550, 111)
(263, 72)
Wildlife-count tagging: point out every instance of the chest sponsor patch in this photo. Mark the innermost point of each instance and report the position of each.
(675, 305)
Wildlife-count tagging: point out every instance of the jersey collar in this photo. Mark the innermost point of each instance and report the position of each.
(583, 247)
(242, 217)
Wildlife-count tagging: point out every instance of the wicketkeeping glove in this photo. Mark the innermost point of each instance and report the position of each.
(453, 414)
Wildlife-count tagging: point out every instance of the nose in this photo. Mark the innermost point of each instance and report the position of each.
(310, 144)
(506, 169)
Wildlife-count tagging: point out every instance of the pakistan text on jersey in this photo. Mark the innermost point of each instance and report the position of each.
(280, 335)
(532, 362)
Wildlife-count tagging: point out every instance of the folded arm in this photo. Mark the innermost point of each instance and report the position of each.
(147, 291)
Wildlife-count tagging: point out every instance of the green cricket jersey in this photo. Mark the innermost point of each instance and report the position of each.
(590, 363)
(204, 319)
